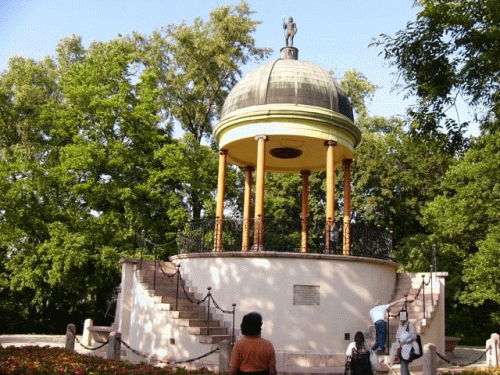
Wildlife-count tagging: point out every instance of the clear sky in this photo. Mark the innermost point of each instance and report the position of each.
(331, 33)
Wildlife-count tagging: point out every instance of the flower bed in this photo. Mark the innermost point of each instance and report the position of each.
(31, 360)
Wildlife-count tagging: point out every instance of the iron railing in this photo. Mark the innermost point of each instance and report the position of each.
(285, 236)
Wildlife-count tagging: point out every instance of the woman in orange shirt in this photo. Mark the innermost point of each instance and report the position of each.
(252, 355)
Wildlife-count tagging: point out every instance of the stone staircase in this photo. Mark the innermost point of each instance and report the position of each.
(408, 285)
(181, 303)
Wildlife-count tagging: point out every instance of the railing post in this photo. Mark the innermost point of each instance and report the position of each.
(114, 345)
(209, 296)
(70, 337)
(154, 274)
(234, 317)
(430, 360)
(177, 290)
(423, 294)
(432, 289)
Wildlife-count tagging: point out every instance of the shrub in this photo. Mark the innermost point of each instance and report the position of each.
(32, 360)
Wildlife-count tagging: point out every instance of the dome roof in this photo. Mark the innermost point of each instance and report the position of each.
(288, 81)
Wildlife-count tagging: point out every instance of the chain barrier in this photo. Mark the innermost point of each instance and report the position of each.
(88, 347)
(168, 362)
(463, 364)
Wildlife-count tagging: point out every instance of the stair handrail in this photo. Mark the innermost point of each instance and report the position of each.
(423, 284)
(208, 297)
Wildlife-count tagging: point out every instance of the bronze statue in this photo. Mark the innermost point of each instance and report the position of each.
(290, 30)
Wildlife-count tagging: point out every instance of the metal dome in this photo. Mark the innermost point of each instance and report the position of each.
(288, 81)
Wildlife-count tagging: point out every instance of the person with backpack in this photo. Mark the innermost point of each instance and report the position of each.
(406, 336)
(358, 356)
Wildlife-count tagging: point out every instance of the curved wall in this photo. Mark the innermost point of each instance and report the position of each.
(341, 289)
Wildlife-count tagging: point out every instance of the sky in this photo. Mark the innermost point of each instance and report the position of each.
(333, 34)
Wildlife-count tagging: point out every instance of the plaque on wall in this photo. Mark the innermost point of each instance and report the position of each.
(306, 295)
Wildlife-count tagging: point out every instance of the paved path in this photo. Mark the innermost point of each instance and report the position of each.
(461, 355)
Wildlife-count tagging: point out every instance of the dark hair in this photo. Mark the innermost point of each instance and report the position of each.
(251, 324)
(359, 339)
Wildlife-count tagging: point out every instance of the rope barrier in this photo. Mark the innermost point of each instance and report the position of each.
(88, 347)
(462, 364)
(168, 362)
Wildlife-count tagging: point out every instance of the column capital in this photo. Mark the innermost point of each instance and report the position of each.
(305, 172)
(330, 143)
(250, 168)
(223, 152)
(262, 136)
(346, 161)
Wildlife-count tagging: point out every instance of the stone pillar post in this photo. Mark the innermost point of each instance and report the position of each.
(87, 336)
(245, 245)
(430, 360)
(224, 356)
(347, 207)
(330, 195)
(70, 337)
(258, 242)
(114, 346)
(305, 210)
(126, 295)
(221, 189)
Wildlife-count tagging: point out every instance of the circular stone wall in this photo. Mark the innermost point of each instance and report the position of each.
(309, 302)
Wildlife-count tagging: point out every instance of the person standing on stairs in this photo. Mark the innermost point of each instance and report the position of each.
(252, 355)
(407, 340)
(378, 315)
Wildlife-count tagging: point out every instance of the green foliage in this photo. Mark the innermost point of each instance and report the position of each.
(198, 64)
(464, 218)
(451, 50)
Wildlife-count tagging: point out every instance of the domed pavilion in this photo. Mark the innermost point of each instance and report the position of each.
(287, 116)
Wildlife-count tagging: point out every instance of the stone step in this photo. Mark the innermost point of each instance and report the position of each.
(214, 339)
(199, 322)
(206, 331)
(187, 314)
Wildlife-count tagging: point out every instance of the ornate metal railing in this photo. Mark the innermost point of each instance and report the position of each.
(285, 236)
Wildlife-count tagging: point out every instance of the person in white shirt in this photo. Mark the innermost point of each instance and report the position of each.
(406, 336)
(378, 315)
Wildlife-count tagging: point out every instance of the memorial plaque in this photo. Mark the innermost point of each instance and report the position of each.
(306, 295)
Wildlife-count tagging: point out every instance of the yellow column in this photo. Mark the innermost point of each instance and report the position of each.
(258, 241)
(305, 210)
(347, 206)
(330, 195)
(221, 189)
(246, 209)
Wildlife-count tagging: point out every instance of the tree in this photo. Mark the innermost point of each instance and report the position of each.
(75, 164)
(464, 219)
(451, 50)
(198, 64)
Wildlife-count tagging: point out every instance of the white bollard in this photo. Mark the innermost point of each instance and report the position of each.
(496, 348)
(430, 360)
(87, 336)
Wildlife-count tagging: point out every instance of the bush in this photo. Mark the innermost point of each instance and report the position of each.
(32, 360)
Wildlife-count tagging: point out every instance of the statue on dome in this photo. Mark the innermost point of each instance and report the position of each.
(290, 30)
